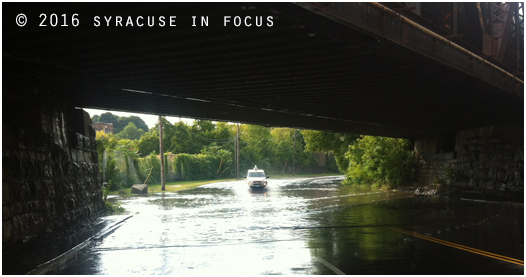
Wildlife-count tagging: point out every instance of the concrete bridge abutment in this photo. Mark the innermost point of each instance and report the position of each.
(50, 171)
(486, 161)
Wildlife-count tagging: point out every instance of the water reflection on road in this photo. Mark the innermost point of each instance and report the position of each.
(300, 226)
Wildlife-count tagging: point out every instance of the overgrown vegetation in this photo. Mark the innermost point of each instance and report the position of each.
(111, 208)
(380, 162)
(206, 151)
(335, 143)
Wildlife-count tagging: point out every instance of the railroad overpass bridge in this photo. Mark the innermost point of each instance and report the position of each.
(413, 70)
(345, 67)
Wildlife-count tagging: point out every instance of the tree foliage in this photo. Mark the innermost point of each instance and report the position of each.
(184, 139)
(255, 146)
(200, 150)
(337, 143)
(107, 164)
(131, 132)
(380, 161)
(290, 150)
(149, 143)
(119, 122)
(139, 123)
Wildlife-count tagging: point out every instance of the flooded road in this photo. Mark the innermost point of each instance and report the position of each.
(307, 226)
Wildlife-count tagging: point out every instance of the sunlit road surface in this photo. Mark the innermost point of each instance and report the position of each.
(306, 226)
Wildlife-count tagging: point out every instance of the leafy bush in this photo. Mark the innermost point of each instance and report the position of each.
(153, 164)
(112, 208)
(196, 167)
(337, 143)
(380, 161)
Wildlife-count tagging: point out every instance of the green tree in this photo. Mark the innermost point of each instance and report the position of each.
(204, 126)
(119, 123)
(283, 142)
(182, 140)
(223, 133)
(303, 158)
(380, 161)
(138, 122)
(149, 143)
(131, 132)
(168, 132)
(337, 143)
(108, 117)
(256, 146)
(289, 150)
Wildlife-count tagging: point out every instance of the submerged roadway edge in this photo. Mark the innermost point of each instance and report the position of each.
(54, 265)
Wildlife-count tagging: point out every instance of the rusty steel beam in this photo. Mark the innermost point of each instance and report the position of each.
(403, 9)
(481, 18)
(506, 30)
(455, 18)
(519, 36)
(379, 21)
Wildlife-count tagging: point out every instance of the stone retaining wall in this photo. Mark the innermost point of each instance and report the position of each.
(49, 163)
(487, 159)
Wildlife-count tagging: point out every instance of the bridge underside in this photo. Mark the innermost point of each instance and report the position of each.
(314, 68)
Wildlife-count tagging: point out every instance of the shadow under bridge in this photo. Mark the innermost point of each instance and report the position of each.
(344, 67)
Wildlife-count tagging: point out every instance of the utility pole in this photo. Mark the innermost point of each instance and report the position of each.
(161, 150)
(293, 151)
(237, 152)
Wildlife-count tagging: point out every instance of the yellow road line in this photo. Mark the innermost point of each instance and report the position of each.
(329, 265)
(462, 247)
(454, 244)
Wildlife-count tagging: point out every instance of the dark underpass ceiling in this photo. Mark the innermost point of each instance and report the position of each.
(299, 69)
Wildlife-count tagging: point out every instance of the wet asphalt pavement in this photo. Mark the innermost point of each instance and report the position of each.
(307, 226)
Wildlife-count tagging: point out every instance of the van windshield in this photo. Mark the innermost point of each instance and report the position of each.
(256, 174)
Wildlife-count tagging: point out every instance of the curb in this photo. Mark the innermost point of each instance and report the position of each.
(58, 263)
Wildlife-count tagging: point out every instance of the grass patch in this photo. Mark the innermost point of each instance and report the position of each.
(183, 185)
(171, 186)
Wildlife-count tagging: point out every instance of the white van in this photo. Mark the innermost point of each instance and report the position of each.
(256, 178)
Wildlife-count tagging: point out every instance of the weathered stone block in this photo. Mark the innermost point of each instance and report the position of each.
(501, 186)
(501, 175)
(518, 156)
(490, 185)
(139, 189)
(7, 230)
(43, 187)
(491, 158)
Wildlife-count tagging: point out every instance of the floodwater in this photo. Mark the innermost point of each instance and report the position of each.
(306, 226)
